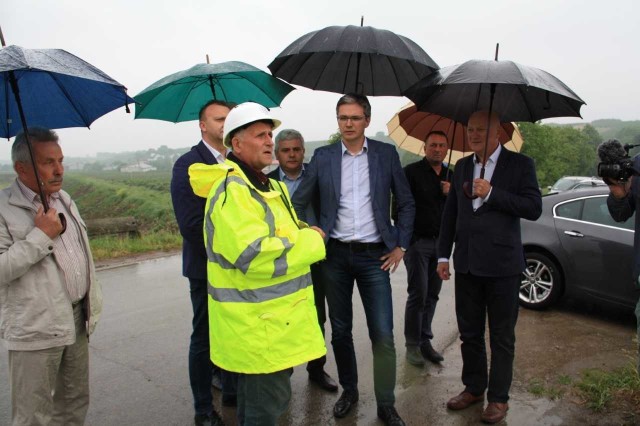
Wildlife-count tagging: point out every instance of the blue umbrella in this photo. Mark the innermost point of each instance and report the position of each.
(54, 89)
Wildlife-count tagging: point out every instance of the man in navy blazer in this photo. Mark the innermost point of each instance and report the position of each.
(189, 211)
(482, 216)
(354, 180)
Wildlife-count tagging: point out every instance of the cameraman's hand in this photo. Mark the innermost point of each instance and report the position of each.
(619, 189)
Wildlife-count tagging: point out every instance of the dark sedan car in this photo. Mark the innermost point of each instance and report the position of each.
(577, 249)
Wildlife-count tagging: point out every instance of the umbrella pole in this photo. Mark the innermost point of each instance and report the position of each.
(453, 138)
(16, 92)
(212, 86)
(486, 140)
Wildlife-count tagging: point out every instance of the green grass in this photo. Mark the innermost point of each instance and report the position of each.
(599, 388)
(103, 197)
(108, 247)
(552, 391)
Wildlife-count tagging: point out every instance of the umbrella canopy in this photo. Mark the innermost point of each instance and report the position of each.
(57, 90)
(352, 59)
(409, 128)
(521, 93)
(179, 97)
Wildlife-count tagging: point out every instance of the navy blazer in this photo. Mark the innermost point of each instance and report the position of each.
(189, 211)
(323, 178)
(488, 241)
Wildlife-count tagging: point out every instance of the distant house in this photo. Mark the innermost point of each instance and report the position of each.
(139, 167)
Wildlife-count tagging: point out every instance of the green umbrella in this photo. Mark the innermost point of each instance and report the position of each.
(179, 97)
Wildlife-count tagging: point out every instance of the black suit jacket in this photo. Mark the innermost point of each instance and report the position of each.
(189, 211)
(487, 241)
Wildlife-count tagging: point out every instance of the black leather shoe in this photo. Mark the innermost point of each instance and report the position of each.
(431, 354)
(344, 403)
(213, 420)
(324, 381)
(390, 416)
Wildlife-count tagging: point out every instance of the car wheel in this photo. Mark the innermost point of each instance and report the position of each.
(541, 283)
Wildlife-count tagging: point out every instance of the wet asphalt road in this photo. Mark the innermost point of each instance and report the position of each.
(139, 362)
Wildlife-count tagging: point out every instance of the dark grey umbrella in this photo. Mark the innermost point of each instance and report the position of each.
(521, 93)
(516, 92)
(352, 59)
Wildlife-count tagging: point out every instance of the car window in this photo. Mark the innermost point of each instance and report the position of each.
(595, 210)
(563, 184)
(571, 210)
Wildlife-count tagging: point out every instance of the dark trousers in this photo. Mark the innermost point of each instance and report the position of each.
(342, 267)
(262, 398)
(423, 290)
(201, 369)
(316, 366)
(497, 298)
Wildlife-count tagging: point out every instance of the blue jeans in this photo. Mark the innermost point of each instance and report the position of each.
(342, 267)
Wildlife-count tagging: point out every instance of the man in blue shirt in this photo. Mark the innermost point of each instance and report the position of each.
(353, 181)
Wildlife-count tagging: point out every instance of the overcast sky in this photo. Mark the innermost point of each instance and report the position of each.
(592, 46)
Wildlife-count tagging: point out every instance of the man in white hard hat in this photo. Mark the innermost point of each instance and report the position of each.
(262, 317)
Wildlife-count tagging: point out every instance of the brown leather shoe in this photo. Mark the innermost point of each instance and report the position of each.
(495, 412)
(463, 400)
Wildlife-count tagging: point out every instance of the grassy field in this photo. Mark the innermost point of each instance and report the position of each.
(144, 196)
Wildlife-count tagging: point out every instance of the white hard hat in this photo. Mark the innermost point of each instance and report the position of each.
(243, 114)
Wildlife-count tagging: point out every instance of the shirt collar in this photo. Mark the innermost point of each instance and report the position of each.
(33, 196)
(365, 147)
(216, 154)
(283, 176)
(493, 158)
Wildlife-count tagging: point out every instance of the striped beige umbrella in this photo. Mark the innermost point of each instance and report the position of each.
(409, 128)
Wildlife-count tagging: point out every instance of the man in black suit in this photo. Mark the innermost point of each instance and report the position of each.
(353, 180)
(289, 152)
(482, 215)
(189, 211)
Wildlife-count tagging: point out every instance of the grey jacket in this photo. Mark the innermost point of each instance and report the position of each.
(35, 308)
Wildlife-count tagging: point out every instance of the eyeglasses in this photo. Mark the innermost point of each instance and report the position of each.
(353, 118)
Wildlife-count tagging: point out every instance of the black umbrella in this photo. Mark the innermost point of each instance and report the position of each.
(352, 59)
(516, 92)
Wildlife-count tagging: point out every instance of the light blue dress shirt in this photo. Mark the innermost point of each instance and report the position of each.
(292, 184)
(355, 221)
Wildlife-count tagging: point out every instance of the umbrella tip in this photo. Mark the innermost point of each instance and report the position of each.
(2, 38)
(497, 48)
(207, 55)
(361, 20)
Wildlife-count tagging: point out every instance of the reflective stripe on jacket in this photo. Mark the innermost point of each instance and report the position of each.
(262, 315)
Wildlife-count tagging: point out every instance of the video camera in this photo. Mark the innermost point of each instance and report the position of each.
(615, 162)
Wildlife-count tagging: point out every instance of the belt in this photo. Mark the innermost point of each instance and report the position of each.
(357, 246)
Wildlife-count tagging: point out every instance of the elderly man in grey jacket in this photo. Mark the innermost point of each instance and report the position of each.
(50, 300)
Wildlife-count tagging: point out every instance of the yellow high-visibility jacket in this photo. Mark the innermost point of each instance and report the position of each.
(262, 315)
